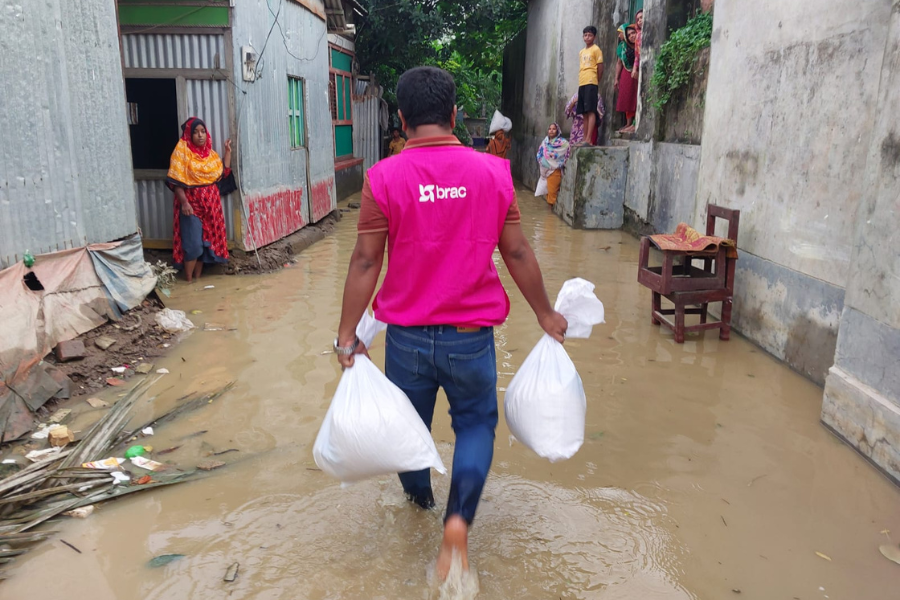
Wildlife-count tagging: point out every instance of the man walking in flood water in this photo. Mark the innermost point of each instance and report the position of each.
(442, 208)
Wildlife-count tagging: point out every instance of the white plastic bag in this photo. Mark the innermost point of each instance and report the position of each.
(545, 403)
(173, 321)
(541, 189)
(499, 122)
(371, 427)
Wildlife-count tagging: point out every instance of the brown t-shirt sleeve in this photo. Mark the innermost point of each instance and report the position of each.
(514, 216)
(371, 218)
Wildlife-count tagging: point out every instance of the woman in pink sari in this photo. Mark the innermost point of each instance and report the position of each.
(578, 133)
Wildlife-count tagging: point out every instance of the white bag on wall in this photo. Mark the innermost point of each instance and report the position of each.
(371, 427)
(545, 404)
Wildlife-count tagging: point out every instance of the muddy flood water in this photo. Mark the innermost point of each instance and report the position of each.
(705, 472)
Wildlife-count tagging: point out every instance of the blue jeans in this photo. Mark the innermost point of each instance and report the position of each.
(419, 360)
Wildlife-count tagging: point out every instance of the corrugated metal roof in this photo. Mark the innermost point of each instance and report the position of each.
(337, 16)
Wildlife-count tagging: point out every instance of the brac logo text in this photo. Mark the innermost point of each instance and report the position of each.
(428, 193)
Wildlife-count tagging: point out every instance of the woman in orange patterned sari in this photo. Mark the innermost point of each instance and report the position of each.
(199, 224)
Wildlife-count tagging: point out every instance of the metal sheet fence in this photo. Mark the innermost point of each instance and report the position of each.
(367, 133)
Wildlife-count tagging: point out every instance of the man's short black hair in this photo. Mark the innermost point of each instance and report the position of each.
(590, 29)
(426, 96)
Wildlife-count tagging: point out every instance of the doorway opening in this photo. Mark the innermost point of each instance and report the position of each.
(153, 121)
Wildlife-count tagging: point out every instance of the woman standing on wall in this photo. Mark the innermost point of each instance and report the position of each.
(639, 26)
(195, 173)
(552, 157)
(578, 134)
(626, 85)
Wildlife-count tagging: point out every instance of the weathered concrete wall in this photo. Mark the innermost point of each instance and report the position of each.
(662, 186)
(279, 196)
(862, 392)
(593, 188)
(65, 158)
(779, 146)
(550, 74)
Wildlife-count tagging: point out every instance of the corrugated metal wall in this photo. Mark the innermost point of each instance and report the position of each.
(204, 98)
(278, 194)
(174, 51)
(156, 207)
(367, 140)
(65, 164)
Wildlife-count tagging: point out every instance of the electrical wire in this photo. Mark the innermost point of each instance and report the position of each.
(284, 38)
(271, 29)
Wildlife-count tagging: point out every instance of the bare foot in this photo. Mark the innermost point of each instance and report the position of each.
(456, 541)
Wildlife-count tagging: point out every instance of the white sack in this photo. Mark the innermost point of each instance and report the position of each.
(545, 403)
(173, 321)
(541, 189)
(499, 122)
(371, 427)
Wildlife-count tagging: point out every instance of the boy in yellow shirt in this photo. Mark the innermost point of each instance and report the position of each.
(589, 74)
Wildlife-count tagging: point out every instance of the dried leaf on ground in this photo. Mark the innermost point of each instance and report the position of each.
(825, 556)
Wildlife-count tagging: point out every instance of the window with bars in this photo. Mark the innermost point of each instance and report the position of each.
(296, 113)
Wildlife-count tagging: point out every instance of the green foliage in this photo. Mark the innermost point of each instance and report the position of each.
(462, 133)
(677, 56)
(465, 37)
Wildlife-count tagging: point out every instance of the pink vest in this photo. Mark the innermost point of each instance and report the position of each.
(446, 207)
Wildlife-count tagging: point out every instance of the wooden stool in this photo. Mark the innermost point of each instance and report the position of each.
(691, 288)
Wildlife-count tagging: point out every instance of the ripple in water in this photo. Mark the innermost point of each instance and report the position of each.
(530, 540)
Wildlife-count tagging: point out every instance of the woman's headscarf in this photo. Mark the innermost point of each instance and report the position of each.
(553, 153)
(625, 50)
(191, 165)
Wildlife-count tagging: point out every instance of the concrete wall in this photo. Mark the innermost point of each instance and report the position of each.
(862, 392)
(662, 186)
(65, 158)
(283, 188)
(788, 109)
(593, 187)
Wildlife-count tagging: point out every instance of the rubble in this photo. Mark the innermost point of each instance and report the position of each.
(70, 350)
(104, 342)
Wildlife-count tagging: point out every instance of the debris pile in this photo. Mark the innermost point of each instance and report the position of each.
(69, 477)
